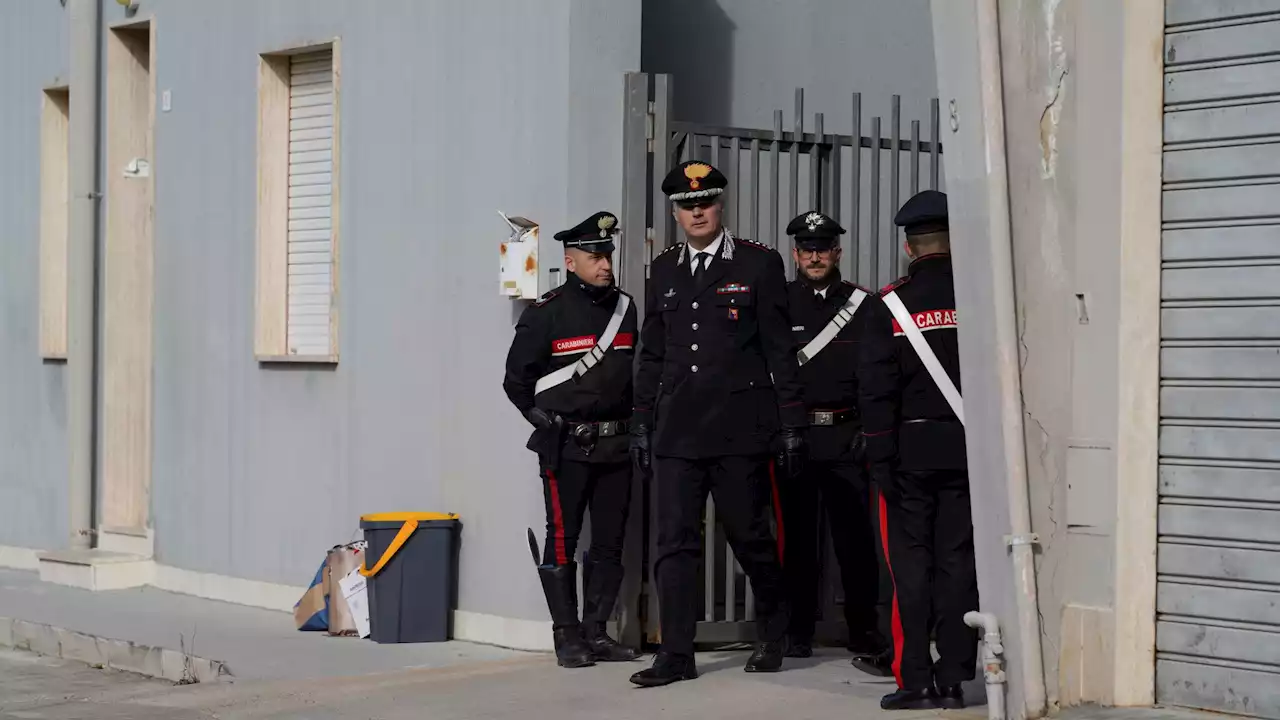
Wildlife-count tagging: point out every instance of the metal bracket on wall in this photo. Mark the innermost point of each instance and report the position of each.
(1027, 539)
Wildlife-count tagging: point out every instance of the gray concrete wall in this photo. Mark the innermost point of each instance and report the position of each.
(1063, 69)
(736, 61)
(33, 440)
(449, 112)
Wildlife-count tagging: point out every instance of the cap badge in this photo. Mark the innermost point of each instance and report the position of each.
(605, 223)
(695, 172)
(814, 220)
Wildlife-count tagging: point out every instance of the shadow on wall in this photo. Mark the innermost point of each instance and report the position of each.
(693, 41)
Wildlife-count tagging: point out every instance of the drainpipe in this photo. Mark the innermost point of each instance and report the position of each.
(992, 665)
(82, 242)
(1021, 539)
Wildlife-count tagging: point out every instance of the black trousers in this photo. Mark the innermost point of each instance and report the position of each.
(841, 489)
(742, 487)
(568, 491)
(930, 532)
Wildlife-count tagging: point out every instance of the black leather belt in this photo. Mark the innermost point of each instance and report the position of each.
(609, 428)
(828, 418)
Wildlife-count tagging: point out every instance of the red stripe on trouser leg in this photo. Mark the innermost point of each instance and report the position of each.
(897, 618)
(557, 517)
(777, 512)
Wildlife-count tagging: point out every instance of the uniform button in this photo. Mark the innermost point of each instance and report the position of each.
(695, 347)
(695, 326)
(695, 305)
(694, 368)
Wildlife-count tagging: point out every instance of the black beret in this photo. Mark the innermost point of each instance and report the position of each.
(692, 180)
(925, 212)
(814, 231)
(595, 234)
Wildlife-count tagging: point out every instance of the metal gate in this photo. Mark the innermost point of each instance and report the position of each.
(1218, 597)
(774, 174)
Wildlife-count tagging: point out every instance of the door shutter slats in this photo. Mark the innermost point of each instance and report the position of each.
(310, 251)
(1219, 518)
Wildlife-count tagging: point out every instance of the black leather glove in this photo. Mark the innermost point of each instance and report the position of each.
(539, 418)
(882, 476)
(793, 451)
(640, 454)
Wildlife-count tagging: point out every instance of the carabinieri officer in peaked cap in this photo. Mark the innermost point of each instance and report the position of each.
(569, 373)
(718, 398)
(916, 447)
(826, 316)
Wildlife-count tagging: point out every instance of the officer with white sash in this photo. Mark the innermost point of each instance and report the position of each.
(826, 320)
(908, 386)
(569, 373)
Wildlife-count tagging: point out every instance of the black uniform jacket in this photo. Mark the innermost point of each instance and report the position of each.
(906, 418)
(707, 354)
(830, 378)
(556, 331)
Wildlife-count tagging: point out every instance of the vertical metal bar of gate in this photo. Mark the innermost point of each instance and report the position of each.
(663, 98)
(634, 255)
(855, 194)
(775, 159)
(815, 166)
(755, 190)
(873, 233)
(915, 157)
(935, 148)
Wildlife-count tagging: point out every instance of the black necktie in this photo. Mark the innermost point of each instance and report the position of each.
(699, 266)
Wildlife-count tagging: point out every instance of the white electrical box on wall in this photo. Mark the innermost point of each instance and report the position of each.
(521, 275)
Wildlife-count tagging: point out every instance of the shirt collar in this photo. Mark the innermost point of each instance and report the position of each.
(713, 249)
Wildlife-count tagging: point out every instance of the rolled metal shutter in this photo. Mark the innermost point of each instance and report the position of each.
(311, 124)
(1218, 599)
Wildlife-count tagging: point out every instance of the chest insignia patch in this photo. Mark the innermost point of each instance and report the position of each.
(569, 346)
(797, 328)
(733, 288)
(670, 293)
(733, 313)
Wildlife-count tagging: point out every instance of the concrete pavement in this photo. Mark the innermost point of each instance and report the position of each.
(528, 687)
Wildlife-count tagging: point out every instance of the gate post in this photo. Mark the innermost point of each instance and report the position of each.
(632, 264)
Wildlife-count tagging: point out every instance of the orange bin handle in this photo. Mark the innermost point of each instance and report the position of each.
(406, 530)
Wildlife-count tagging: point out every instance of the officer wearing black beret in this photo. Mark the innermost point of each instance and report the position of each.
(569, 372)
(826, 317)
(914, 421)
(718, 405)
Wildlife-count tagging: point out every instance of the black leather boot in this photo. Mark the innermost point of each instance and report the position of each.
(798, 647)
(560, 585)
(950, 697)
(766, 658)
(601, 583)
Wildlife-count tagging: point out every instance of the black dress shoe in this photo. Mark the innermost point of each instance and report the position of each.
(909, 700)
(797, 648)
(766, 658)
(878, 664)
(667, 669)
(950, 697)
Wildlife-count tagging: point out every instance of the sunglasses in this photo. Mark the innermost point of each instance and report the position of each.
(703, 203)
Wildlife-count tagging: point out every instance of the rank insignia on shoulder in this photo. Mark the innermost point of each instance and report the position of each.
(670, 248)
(547, 297)
(733, 288)
(895, 284)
